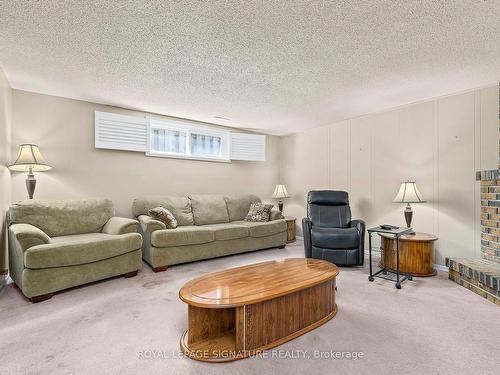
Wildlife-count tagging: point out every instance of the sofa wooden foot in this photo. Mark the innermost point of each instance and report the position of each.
(130, 274)
(41, 298)
(160, 269)
(281, 247)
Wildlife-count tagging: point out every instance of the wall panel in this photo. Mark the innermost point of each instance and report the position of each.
(5, 180)
(456, 174)
(417, 160)
(488, 112)
(317, 161)
(360, 189)
(339, 154)
(440, 144)
(387, 168)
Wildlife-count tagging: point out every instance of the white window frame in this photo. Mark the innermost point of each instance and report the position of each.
(189, 127)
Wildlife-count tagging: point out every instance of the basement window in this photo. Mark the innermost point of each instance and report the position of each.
(176, 138)
(185, 140)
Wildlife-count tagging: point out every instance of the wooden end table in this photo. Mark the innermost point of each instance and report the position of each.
(416, 253)
(290, 233)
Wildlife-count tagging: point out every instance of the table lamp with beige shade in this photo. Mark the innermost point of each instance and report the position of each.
(408, 193)
(29, 159)
(280, 192)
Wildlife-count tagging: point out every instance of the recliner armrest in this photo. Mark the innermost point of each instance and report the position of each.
(358, 224)
(306, 233)
(120, 225)
(28, 235)
(148, 224)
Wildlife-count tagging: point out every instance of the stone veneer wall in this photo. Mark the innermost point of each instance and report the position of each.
(490, 209)
(490, 220)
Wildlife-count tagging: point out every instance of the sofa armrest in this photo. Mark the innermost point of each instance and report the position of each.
(306, 233)
(275, 215)
(120, 225)
(148, 224)
(28, 235)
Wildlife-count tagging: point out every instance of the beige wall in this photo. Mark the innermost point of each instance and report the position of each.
(439, 143)
(5, 181)
(64, 129)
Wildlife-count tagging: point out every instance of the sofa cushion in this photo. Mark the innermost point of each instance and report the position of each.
(238, 205)
(164, 215)
(209, 209)
(187, 235)
(180, 207)
(263, 229)
(228, 231)
(61, 218)
(259, 212)
(335, 238)
(79, 249)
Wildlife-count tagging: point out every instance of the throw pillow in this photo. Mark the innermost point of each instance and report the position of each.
(259, 212)
(165, 216)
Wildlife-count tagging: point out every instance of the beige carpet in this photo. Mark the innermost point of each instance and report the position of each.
(431, 326)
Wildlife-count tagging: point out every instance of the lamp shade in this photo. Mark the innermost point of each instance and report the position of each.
(29, 156)
(280, 192)
(408, 193)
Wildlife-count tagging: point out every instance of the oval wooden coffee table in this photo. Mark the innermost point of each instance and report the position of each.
(241, 311)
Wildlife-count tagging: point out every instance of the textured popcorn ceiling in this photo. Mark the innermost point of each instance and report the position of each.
(279, 66)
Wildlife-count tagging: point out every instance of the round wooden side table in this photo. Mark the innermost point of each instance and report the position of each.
(290, 233)
(416, 253)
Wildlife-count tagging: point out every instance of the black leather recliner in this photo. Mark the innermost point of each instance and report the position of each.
(329, 233)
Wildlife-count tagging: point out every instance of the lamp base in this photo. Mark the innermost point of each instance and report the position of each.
(31, 184)
(409, 217)
(280, 206)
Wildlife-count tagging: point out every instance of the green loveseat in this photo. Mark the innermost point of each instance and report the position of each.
(55, 245)
(209, 226)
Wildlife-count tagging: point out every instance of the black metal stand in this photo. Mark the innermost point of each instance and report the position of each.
(384, 271)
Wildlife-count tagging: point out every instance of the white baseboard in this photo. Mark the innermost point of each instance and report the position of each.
(441, 267)
(300, 238)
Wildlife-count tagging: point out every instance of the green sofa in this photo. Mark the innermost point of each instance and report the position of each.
(209, 226)
(55, 245)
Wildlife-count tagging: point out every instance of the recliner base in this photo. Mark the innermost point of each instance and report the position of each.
(340, 257)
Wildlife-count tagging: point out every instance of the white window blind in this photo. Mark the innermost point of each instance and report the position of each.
(168, 141)
(188, 140)
(120, 132)
(248, 147)
(206, 145)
